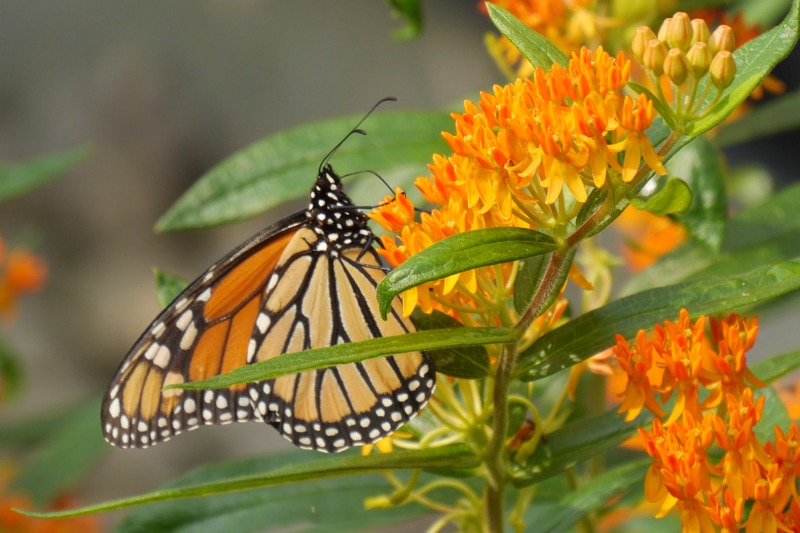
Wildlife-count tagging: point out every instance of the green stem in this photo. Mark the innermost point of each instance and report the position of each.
(495, 452)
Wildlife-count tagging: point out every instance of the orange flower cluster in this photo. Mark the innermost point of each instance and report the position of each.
(20, 272)
(515, 151)
(708, 371)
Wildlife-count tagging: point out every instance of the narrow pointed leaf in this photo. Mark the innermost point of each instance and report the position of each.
(283, 166)
(18, 178)
(452, 456)
(538, 49)
(460, 253)
(594, 332)
(354, 352)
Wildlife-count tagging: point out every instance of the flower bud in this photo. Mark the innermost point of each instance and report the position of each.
(642, 36)
(700, 32)
(679, 31)
(676, 67)
(654, 56)
(722, 39)
(699, 59)
(662, 31)
(723, 69)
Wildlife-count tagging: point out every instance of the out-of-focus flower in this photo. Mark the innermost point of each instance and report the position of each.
(21, 272)
(14, 522)
(647, 237)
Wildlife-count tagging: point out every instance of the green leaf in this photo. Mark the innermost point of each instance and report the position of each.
(411, 11)
(283, 166)
(168, 287)
(537, 48)
(674, 197)
(592, 496)
(451, 456)
(353, 352)
(776, 366)
(760, 235)
(17, 179)
(469, 362)
(770, 118)
(66, 456)
(774, 414)
(754, 61)
(593, 332)
(459, 253)
(701, 167)
(528, 279)
(573, 444)
(10, 374)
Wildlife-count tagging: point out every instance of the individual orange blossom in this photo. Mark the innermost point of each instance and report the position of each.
(637, 362)
(733, 336)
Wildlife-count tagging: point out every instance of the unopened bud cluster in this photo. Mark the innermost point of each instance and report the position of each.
(685, 49)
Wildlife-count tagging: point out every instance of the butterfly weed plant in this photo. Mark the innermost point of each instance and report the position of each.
(559, 403)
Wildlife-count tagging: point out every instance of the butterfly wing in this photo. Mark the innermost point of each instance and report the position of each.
(204, 332)
(321, 299)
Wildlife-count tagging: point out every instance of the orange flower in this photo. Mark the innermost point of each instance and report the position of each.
(20, 273)
(647, 236)
(13, 522)
(637, 363)
(515, 151)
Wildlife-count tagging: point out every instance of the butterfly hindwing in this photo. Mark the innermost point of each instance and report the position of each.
(322, 300)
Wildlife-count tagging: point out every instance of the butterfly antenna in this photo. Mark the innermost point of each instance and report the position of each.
(391, 191)
(354, 130)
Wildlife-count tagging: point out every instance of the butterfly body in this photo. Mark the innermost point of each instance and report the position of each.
(308, 281)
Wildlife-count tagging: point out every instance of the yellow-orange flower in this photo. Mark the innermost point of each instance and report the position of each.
(515, 151)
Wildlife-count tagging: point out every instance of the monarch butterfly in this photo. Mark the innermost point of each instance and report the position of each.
(308, 281)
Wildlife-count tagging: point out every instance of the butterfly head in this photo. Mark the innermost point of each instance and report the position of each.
(333, 217)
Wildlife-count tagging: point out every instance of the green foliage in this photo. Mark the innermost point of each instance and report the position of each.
(282, 167)
(411, 11)
(20, 178)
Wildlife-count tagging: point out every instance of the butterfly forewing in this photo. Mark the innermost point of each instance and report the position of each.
(204, 332)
